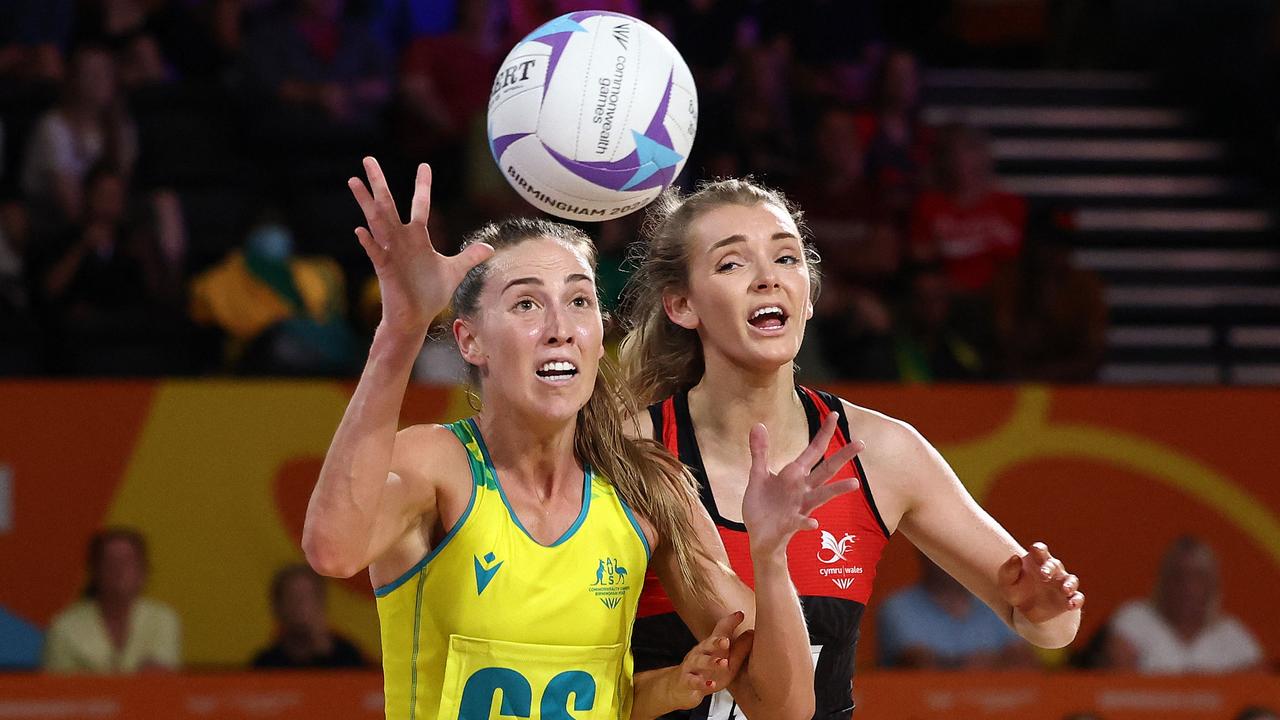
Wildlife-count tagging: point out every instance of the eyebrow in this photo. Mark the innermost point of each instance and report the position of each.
(743, 238)
(571, 278)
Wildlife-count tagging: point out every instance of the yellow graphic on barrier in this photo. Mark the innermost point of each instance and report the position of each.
(1028, 435)
(201, 485)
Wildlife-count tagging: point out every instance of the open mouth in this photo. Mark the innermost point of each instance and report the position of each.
(557, 371)
(769, 317)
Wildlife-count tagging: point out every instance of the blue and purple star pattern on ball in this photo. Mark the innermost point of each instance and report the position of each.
(555, 34)
(652, 164)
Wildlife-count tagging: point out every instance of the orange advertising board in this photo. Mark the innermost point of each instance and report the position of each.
(881, 696)
(217, 474)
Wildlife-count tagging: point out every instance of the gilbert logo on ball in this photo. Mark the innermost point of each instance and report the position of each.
(592, 115)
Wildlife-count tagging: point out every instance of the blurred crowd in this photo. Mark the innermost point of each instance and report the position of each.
(172, 195)
(114, 628)
(1179, 628)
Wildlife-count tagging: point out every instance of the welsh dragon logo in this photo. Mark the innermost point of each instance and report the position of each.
(833, 550)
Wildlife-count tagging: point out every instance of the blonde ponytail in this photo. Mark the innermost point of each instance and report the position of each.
(653, 482)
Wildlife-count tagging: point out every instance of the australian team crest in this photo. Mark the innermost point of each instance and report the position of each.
(611, 582)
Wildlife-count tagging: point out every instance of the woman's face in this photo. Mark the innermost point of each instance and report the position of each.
(537, 335)
(841, 150)
(301, 603)
(106, 198)
(121, 570)
(902, 84)
(1190, 587)
(748, 286)
(95, 78)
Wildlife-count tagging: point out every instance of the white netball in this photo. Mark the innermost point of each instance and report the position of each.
(592, 115)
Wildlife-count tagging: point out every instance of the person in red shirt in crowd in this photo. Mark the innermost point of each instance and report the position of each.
(444, 90)
(316, 76)
(967, 223)
(445, 79)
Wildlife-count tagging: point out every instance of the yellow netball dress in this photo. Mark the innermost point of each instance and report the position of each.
(493, 623)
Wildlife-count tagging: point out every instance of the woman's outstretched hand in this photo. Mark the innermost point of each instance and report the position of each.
(712, 664)
(416, 281)
(778, 505)
(1038, 585)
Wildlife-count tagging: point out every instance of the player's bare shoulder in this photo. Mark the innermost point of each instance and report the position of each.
(885, 436)
(429, 485)
(430, 459)
(894, 454)
(431, 438)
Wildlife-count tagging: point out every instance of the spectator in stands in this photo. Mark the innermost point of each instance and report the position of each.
(32, 33)
(444, 88)
(14, 296)
(185, 41)
(128, 27)
(90, 125)
(321, 74)
(1050, 316)
(761, 124)
(708, 33)
(120, 270)
(855, 311)
(861, 258)
(939, 624)
(304, 640)
(1257, 712)
(839, 203)
(282, 314)
(967, 223)
(1182, 628)
(936, 338)
(1103, 652)
(834, 44)
(897, 142)
(20, 642)
(114, 629)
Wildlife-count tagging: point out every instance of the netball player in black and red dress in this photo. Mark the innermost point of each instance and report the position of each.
(716, 314)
